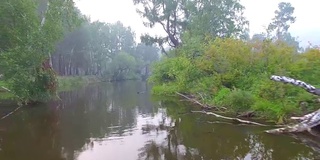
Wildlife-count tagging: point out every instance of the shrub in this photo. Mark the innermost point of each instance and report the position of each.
(239, 100)
(219, 98)
(219, 65)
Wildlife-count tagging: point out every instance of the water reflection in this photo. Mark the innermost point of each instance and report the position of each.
(112, 121)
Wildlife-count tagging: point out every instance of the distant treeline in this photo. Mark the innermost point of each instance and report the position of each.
(107, 50)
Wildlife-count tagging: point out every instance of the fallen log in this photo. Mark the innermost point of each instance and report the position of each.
(308, 121)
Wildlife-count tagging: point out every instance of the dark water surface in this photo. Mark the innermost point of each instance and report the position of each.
(113, 122)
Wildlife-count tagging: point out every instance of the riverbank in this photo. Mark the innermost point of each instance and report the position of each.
(70, 82)
(4, 95)
(65, 83)
(229, 74)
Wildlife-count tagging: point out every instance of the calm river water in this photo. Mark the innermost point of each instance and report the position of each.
(110, 121)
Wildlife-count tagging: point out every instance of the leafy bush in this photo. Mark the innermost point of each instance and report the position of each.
(165, 89)
(219, 98)
(225, 64)
(239, 100)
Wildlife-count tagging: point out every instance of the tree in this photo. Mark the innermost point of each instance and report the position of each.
(281, 23)
(258, 37)
(282, 20)
(257, 41)
(291, 41)
(122, 66)
(218, 18)
(169, 14)
(147, 54)
(89, 49)
(27, 42)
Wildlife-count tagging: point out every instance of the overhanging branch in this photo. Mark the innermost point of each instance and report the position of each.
(307, 121)
(308, 87)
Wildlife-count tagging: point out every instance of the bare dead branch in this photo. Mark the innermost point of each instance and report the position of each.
(193, 100)
(7, 115)
(230, 118)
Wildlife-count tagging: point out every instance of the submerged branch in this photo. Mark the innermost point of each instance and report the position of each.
(7, 115)
(230, 118)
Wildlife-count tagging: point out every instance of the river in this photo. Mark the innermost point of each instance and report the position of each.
(111, 121)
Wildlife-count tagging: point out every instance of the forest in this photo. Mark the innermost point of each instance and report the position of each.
(42, 40)
(207, 53)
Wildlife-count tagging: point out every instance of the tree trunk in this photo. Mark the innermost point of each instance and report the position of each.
(307, 122)
(51, 84)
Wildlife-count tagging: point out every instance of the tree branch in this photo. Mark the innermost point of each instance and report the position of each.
(308, 87)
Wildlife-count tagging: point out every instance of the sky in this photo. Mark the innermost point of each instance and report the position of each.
(258, 12)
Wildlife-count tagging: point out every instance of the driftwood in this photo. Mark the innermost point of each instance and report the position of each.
(308, 121)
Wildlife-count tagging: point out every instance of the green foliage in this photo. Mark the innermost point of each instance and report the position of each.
(122, 66)
(220, 97)
(216, 18)
(165, 89)
(179, 71)
(70, 82)
(4, 94)
(3, 84)
(239, 100)
(269, 108)
(235, 74)
(27, 38)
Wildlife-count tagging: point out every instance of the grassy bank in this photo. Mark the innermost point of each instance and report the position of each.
(70, 82)
(64, 83)
(4, 95)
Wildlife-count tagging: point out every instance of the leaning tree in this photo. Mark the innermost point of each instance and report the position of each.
(306, 122)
